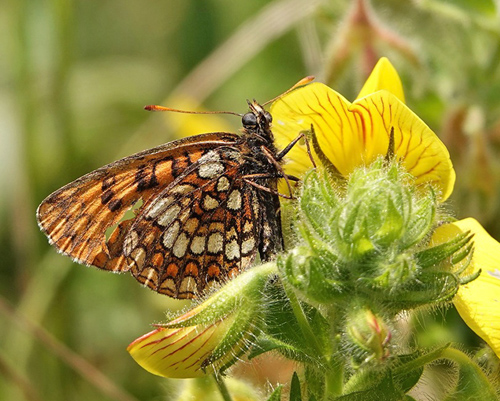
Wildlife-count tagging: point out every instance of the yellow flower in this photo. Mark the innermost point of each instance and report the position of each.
(354, 134)
(478, 302)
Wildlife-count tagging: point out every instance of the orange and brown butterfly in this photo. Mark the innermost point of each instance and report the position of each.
(203, 208)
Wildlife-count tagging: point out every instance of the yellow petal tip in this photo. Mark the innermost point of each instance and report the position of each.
(383, 77)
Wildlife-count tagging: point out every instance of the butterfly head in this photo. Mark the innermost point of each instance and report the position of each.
(257, 121)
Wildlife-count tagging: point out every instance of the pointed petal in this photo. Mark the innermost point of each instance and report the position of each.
(383, 77)
(478, 302)
(178, 353)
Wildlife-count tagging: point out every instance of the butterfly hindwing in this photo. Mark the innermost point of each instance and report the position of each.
(204, 227)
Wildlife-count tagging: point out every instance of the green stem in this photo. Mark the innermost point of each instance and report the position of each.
(334, 377)
(219, 380)
(421, 361)
(302, 320)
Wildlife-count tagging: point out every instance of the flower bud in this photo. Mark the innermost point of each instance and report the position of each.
(369, 335)
(369, 239)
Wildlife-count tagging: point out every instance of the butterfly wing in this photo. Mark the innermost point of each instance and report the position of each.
(199, 222)
(207, 225)
(77, 217)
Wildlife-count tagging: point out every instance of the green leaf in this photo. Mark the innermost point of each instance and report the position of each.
(295, 394)
(281, 323)
(276, 395)
(383, 390)
(432, 256)
(430, 288)
(473, 384)
(265, 344)
(407, 380)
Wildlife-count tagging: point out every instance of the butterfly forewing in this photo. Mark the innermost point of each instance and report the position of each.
(77, 216)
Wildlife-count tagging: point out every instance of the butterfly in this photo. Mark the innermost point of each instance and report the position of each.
(179, 217)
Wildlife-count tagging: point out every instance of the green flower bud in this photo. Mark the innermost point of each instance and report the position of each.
(369, 239)
(368, 334)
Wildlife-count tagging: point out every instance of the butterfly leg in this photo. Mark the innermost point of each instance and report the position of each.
(287, 149)
(289, 176)
(273, 160)
(263, 188)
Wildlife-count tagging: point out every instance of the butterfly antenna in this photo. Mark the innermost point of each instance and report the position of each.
(302, 82)
(154, 107)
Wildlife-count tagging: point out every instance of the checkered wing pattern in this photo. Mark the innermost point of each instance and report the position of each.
(206, 226)
(199, 222)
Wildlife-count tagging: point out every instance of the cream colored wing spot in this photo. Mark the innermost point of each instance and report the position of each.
(152, 278)
(210, 166)
(191, 225)
(223, 184)
(198, 244)
(170, 235)
(158, 206)
(182, 189)
(130, 243)
(234, 200)
(138, 256)
(169, 215)
(180, 245)
(210, 203)
(188, 284)
(248, 246)
(232, 250)
(215, 242)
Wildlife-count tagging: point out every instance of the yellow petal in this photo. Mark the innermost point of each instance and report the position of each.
(180, 352)
(352, 135)
(478, 302)
(383, 77)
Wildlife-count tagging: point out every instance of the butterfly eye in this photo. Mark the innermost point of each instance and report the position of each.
(249, 120)
(269, 117)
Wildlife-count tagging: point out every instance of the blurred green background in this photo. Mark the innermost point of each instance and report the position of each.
(74, 77)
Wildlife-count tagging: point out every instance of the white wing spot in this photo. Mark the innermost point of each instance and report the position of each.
(180, 245)
(159, 206)
(210, 165)
(232, 250)
(234, 200)
(169, 215)
(170, 235)
(215, 242)
(210, 170)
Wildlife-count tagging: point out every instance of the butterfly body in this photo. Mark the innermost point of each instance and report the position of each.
(179, 217)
